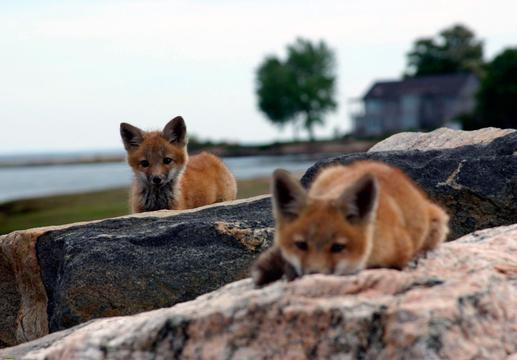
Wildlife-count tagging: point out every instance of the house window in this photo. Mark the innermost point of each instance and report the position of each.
(373, 107)
(410, 107)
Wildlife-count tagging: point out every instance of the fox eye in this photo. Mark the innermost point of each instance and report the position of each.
(144, 163)
(335, 248)
(167, 160)
(302, 245)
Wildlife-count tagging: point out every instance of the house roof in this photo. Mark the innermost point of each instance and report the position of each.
(445, 85)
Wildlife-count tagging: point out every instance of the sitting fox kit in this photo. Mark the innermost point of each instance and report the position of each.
(165, 176)
(363, 215)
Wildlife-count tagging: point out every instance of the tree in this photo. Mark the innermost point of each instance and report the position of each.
(496, 100)
(299, 89)
(455, 50)
(275, 90)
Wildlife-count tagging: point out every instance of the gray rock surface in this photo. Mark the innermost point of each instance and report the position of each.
(477, 183)
(442, 138)
(457, 302)
(127, 265)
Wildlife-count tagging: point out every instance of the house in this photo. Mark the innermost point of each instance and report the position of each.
(422, 103)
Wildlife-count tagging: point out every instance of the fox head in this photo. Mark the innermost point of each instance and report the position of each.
(156, 157)
(329, 236)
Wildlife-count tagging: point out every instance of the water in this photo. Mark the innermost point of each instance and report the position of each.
(34, 181)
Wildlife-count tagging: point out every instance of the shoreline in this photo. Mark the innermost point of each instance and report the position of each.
(229, 151)
(84, 206)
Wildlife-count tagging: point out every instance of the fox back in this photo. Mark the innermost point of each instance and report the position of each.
(166, 177)
(364, 215)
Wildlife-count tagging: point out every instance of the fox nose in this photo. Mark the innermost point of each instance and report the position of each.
(157, 180)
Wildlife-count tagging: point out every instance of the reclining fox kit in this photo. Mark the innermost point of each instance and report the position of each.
(166, 177)
(363, 215)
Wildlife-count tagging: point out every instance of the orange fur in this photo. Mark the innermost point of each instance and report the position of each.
(364, 215)
(206, 180)
(184, 183)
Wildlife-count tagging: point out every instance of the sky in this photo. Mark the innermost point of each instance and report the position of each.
(71, 71)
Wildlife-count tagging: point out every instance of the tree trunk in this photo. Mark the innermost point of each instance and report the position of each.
(312, 137)
(309, 126)
(296, 131)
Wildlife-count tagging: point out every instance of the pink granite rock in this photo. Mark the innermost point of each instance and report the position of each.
(458, 302)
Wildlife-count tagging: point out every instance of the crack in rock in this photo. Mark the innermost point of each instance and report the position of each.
(451, 180)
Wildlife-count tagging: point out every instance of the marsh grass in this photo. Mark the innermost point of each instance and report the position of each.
(63, 209)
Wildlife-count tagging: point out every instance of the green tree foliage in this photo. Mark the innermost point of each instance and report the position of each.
(454, 50)
(497, 97)
(301, 88)
(275, 90)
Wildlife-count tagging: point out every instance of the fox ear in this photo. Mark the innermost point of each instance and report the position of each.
(175, 131)
(131, 136)
(360, 200)
(289, 197)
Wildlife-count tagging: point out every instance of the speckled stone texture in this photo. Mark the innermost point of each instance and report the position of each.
(55, 278)
(477, 184)
(458, 302)
(442, 138)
